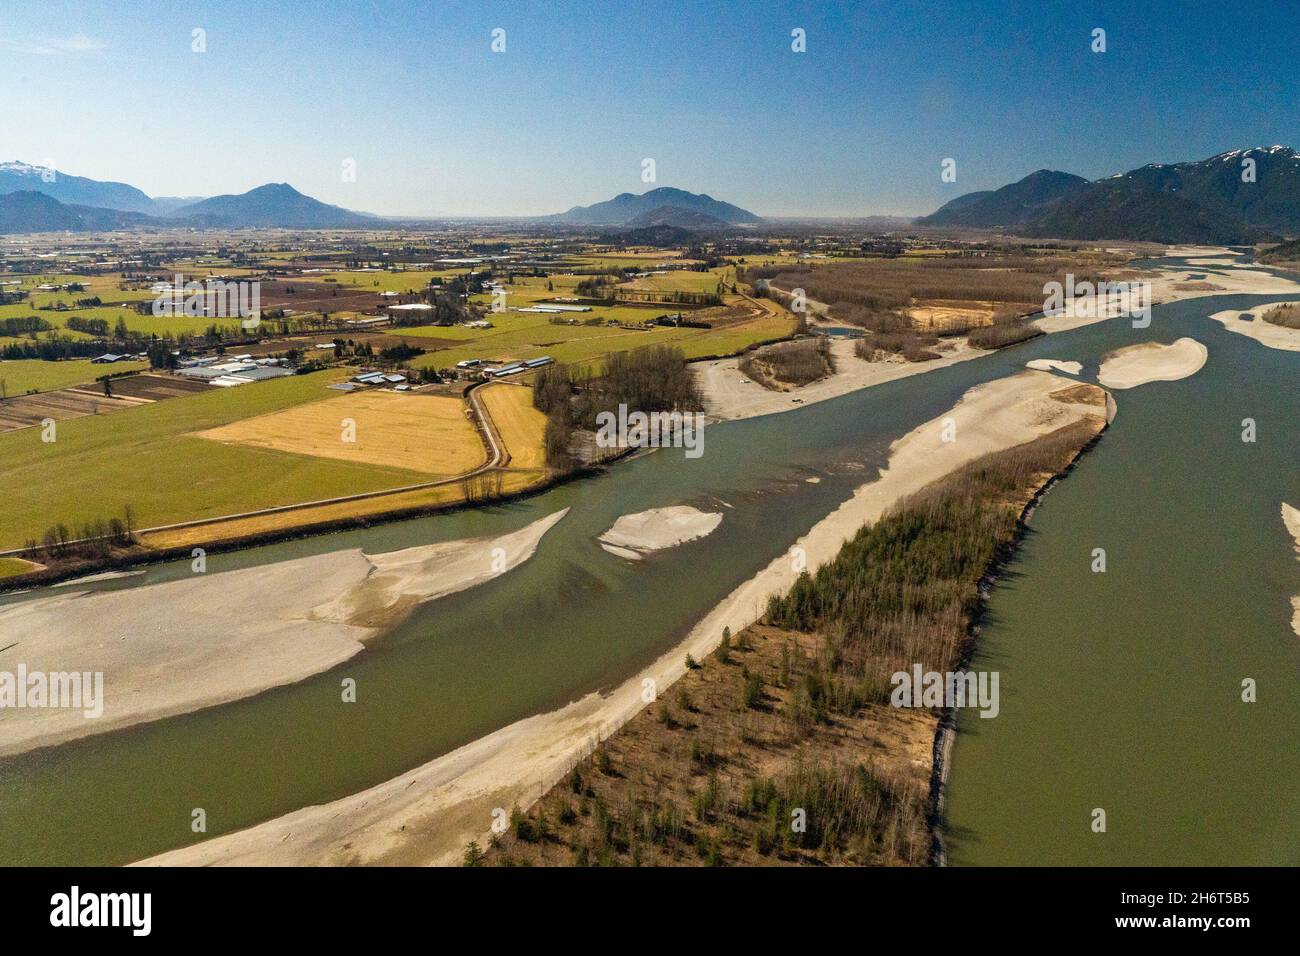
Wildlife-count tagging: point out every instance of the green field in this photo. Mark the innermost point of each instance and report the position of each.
(11, 566)
(146, 457)
(33, 375)
(517, 337)
(146, 324)
(118, 303)
(521, 335)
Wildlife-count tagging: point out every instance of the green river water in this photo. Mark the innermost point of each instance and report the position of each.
(1118, 690)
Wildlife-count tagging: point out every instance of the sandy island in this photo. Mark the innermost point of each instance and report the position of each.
(1146, 362)
(1265, 333)
(1291, 518)
(179, 646)
(633, 536)
(429, 814)
(1172, 283)
(1048, 365)
(730, 394)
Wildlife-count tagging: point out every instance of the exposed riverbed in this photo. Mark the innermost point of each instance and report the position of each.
(575, 619)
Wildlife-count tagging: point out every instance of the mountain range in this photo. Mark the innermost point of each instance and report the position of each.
(78, 204)
(1241, 196)
(662, 206)
(31, 211)
(74, 190)
(275, 205)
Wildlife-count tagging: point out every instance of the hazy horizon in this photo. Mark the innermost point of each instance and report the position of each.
(440, 126)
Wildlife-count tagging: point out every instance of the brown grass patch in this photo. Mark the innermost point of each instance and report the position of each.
(22, 411)
(449, 494)
(1081, 394)
(521, 426)
(425, 433)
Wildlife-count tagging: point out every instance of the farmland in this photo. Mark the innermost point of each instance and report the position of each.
(521, 426)
(424, 433)
(148, 457)
(587, 336)
(11, 566)
(175, 451)
(23, 411)
(32, 375)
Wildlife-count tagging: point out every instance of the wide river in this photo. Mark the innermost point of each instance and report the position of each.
(1119, 691)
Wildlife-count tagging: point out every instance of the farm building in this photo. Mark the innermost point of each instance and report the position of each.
(409, 308)
(262, 373)
(555, 309)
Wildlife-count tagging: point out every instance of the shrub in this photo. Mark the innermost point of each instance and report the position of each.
(1287, 316)
(1004, 334)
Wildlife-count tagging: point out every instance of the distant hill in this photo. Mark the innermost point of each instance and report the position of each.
(73, 190)
(1202, 201)
(271, 206)
(626, 207)
(677, 216)
(1271, 202)
(23, 212)
(1019, 202)
(1109, 210)
(275, 205)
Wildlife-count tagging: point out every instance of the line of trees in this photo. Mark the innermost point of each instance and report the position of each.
(653, 378)
(24, 325)
(905, 589)
(52, 349)
(95, 538)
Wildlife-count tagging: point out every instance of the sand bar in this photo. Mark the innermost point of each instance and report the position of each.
(428, 815)
(1146, 362)
(1048, 365)
(1250, 322)
(179, 646)
(730, 394)
(637, 534)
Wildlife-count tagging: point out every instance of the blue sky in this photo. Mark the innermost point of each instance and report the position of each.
(438, 124)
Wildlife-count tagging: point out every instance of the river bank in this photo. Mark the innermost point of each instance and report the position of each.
(795, 716)
(429, 814)
(289, 621)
